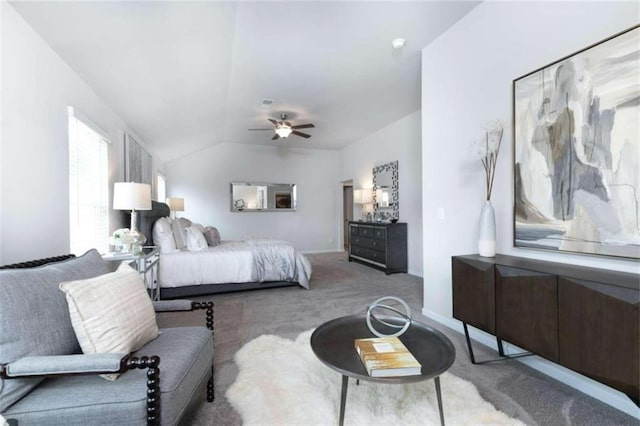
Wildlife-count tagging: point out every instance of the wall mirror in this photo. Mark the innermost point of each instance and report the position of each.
(263, 197)
(385, 192)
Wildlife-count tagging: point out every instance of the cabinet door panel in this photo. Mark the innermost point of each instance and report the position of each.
(527, 310)
(474, 293)
(599, 332)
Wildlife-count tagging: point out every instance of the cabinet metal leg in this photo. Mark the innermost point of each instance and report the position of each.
(500, 350)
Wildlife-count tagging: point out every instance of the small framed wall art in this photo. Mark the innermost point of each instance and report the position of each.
(576, 151)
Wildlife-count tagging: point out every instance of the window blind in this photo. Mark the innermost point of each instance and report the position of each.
(88, 187)
(161, 189)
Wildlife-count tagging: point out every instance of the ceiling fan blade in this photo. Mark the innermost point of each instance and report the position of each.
(303, 126)
(304, 135)
(276, 136)
(261, 129)
(274, 122)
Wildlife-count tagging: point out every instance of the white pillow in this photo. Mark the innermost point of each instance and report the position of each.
(111, 312)
(195, 239)
(163, 235)
(197, 225)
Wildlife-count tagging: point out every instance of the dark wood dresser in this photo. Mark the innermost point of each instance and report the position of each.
(583, 318)
(380, 245)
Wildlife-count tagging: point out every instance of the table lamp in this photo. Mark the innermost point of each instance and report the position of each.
(132, 196)
(176, 205)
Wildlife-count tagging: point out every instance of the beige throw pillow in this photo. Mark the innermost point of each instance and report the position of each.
(111, 312)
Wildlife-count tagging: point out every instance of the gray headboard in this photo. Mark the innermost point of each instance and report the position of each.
(146, 219)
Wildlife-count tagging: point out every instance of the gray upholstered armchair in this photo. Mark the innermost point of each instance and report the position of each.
(45, 380)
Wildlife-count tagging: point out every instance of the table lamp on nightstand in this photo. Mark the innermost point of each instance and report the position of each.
(176, 205)
(132, 196)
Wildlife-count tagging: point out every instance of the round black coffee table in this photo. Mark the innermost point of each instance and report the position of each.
(334, 344)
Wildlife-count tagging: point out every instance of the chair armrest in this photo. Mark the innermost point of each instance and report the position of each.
(172, 305)
(185, 305)
(34, 366)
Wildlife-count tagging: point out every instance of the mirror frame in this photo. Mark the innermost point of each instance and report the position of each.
(393, 211)
(293, 192)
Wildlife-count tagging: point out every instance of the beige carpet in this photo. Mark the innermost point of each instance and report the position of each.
(281, 382)
(339, 288)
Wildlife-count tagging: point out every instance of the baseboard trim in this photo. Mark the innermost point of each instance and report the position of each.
(577, 381)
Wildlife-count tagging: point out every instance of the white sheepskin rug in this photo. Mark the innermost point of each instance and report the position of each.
(281, 382)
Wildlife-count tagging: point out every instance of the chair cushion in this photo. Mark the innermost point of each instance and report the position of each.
(111, 313)
(34, 319)
(186, 357)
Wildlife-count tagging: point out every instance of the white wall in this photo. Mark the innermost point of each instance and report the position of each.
(401, 141)
(203, 179)
(37, 86)
(466, 81)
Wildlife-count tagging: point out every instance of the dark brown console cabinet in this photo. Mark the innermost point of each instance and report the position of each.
(379, 245)
(585, 319)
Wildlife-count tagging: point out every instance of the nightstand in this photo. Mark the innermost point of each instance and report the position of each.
(146, 263)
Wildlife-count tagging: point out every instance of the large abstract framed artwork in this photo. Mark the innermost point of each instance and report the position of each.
(576, 151)
(138, 162)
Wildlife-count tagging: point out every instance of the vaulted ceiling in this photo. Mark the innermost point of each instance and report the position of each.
(189, 75)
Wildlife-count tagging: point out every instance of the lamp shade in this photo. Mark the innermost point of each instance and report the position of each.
(176, 204)
(362, 196)
(131, 196)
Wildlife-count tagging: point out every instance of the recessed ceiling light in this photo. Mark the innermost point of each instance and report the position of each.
(398, 43)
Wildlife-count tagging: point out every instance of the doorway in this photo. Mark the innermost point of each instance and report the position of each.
(347, 210)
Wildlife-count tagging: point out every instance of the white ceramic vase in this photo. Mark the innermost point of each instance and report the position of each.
(487, 239)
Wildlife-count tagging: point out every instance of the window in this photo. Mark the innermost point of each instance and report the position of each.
(88, 187)
(161, 188)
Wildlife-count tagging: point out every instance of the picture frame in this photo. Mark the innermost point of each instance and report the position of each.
(282, 200)
(576, 140)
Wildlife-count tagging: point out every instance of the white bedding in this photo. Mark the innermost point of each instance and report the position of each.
(235, 262)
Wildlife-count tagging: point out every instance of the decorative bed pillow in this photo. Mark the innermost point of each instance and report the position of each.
(185, 222)
(212, 235)
(163, 235)
(111, 312)
(179, 234)
(195, 239)
(198, 226)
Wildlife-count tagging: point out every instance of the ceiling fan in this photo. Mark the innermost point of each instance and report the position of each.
(283, 128)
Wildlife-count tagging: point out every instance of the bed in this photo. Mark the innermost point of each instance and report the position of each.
(230, 266)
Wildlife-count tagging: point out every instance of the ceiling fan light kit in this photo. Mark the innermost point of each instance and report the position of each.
(283, 131)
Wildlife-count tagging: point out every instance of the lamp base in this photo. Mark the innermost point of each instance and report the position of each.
(135, 239)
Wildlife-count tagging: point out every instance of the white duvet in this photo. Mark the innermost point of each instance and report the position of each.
(235, 262)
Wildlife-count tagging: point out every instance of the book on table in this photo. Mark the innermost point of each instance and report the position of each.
(387, 357)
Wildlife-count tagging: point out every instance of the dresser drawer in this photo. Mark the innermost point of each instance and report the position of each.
(358, 251)
(379, 233)
(375, 255)
(366, 231)
(354, 229)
